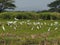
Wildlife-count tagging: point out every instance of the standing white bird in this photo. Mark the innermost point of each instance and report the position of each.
(34, 23)
(28, 23)
(45, 23)
(51, 24)
(3, 27)
(21, 23)
(14, 22)
(32, 28)
(28, 20)
(55, 23)
(38, 27)
(38, 23)
(9, 23)
(16, 19)
(56, 28)
(49, 29)
(41, 23)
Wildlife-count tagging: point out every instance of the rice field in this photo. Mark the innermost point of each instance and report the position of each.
(13, 32)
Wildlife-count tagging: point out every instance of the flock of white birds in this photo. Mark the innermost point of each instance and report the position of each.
(34, 24)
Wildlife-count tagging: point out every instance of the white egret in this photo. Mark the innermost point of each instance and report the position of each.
(3, 27)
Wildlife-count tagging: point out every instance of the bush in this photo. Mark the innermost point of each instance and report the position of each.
(49, 16)
(22, 16)
(5, 16)
(30, 15)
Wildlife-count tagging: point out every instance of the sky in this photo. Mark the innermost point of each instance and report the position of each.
(32, 5)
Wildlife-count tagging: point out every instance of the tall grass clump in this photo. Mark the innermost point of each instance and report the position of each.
(48, 16)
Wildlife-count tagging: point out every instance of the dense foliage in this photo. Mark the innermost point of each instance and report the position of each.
(6, 4)
(55, 6)
(30, 15)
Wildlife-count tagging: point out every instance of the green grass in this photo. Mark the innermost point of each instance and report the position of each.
(23, 32)
(23, 35)
(26, 29)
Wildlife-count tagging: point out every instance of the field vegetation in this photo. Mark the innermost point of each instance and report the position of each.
(29, 28)
(30, 15)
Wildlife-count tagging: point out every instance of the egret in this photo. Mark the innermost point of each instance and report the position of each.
(16, 19)
(32, 28)
(3, 27)
(56, 28)
(49, 29)
(37, 27)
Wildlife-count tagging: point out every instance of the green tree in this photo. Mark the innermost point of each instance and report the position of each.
(55, 5)
(6, 4)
